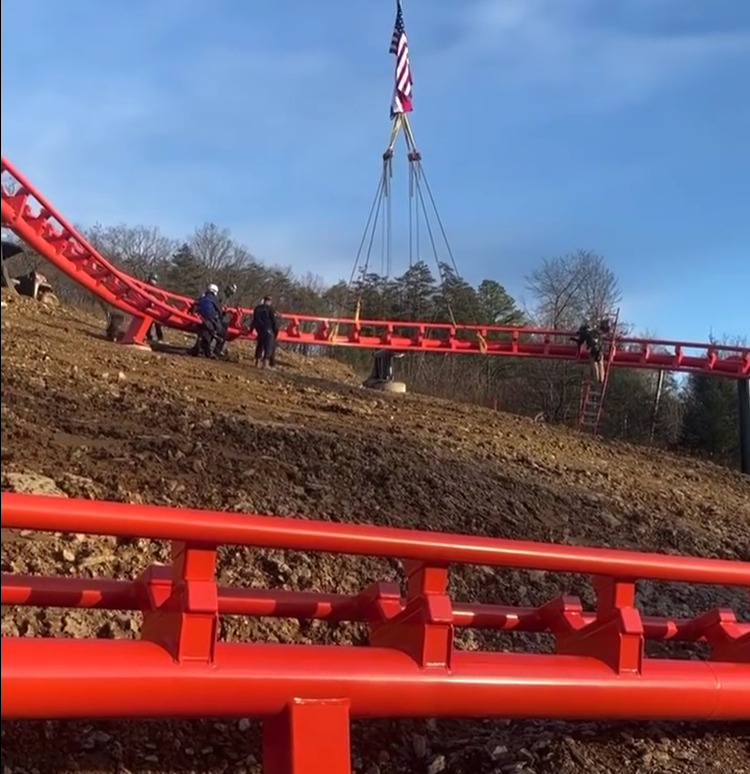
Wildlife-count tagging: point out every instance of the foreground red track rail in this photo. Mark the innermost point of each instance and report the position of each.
(306, 694)
(34, 220)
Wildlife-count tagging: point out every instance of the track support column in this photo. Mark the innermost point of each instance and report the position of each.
(743, 395)
(308, 737)
(136, 331)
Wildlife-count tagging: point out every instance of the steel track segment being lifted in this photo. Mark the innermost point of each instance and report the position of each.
(37, 223)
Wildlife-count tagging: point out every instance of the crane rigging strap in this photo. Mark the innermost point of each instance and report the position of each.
(421, 201)
(364, 242)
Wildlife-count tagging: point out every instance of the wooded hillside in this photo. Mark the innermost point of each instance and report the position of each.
(697, 414)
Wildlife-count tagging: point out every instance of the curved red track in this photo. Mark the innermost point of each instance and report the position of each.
(34, 220)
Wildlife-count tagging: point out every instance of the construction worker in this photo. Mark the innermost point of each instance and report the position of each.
(226, 318)
(591, 339)
(266, 328)
(229, 291)
(211, 331)
(9, 250)
(155, 331)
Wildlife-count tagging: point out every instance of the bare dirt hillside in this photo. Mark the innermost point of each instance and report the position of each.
(89, 418)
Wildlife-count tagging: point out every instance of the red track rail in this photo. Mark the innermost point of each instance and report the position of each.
(107, 594)
(37, 222)
(307, 694)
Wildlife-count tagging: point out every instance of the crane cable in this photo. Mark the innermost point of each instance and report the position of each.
(422, 185)
(415, 163)
(369, 230)
(417, 180)
(382, 195)
(414, 245)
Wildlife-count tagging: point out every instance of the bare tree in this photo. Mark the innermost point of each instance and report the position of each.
(566, 291)
(213, 247)
(226, 262)
(137, 249)
(570, 289)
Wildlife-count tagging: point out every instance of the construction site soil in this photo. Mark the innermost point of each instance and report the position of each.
(84, 417)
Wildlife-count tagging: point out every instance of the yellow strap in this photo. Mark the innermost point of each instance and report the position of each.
(482, 343)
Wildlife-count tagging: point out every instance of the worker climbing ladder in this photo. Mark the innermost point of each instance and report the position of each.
(593, 391)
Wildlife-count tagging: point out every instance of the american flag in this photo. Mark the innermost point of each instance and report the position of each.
(400, 49)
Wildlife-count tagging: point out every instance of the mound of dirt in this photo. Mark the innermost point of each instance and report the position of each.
(82, 417)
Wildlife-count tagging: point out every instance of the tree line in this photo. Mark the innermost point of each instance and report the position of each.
(698, 415)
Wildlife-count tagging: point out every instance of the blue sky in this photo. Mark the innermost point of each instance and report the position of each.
(545, 126)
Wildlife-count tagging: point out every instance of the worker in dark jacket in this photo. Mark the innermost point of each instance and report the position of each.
(155, 331)
(266, 328)
(591, 339)
(225, 318)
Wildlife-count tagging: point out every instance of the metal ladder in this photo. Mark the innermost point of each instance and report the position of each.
(591, 406)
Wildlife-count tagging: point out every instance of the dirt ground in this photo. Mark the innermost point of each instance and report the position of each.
(88, 418)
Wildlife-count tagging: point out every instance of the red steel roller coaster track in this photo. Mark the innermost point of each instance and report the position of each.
(36, 222)
(598, 669)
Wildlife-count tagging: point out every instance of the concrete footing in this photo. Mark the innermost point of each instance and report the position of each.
(385, 386)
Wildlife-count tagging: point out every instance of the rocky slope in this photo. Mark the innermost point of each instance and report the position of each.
(88, 418)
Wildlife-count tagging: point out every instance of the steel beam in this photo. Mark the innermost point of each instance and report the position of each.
(107, 594)
(67, 678)
(55, 514)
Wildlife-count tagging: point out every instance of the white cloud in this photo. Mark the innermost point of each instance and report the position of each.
(558, 50)
(237, 129)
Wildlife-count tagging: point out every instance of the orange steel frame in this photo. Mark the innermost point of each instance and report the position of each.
(34, 220)
(307, 694)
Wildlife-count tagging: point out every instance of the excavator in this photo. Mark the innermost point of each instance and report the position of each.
(33, 284)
